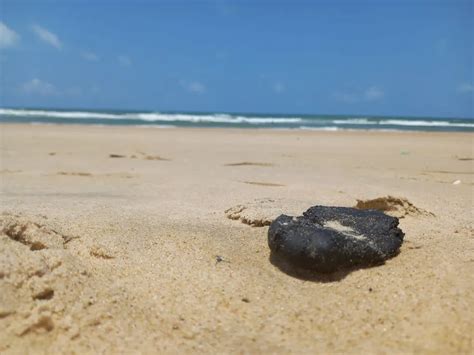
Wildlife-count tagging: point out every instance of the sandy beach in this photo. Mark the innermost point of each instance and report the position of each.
(117, 240)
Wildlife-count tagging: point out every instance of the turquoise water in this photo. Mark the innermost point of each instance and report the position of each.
(233, 120)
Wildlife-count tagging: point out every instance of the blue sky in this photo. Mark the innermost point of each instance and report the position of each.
(380, 57)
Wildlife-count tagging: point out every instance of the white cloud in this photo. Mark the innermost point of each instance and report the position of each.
(465, 88)
(47, 36)
(196, 87)
(8, 37)
(371, 94)
(39, 87)
(193, 86)
(124, 60)
(90, 56)
(279, 87)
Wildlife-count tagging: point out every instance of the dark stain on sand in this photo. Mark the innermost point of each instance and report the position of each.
(74, 173)
(85, 174)
(139, 155)
(449, 172)
(249, 163)
(260, 183)
(8, 171)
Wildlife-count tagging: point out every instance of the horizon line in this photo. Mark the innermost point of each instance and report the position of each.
(89, 109)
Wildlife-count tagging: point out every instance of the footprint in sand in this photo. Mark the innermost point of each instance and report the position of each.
(262, 212)
(393, 206)
(464, 158)
(449, 172)
(34, 235)
(101, 252)
(154, 157)
(74, 173)
(120, 175)
(40, 274)
(84, 174)
(140, 155)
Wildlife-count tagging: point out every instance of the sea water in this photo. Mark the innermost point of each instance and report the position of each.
(233, 120)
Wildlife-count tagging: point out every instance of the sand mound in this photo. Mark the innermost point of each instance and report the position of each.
(262, 212)
(393, 206)
(39, 278)
(32, 234)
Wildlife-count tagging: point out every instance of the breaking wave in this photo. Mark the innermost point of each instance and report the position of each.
(404, 122)
(306, 122)
(149, 117)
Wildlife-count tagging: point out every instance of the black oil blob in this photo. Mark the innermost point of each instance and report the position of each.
(328, 239)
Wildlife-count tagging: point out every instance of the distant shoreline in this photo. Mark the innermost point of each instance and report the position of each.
(248, 130)
(234, 113)
(225, 120)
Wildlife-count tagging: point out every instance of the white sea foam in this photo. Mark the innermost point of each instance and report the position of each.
(312, 128)
(155, 126)
(56, 114)
(322, 123)
(425, 123)
(353, 121)
(150, 117)
(394, 122)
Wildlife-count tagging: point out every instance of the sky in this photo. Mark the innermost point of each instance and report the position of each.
(385, 57)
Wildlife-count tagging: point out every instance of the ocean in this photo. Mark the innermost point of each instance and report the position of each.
(234, 120)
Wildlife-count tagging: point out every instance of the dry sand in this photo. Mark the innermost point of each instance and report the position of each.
(135, 253)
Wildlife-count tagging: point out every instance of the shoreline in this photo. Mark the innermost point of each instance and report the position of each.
(237, 129)
(233, 113)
